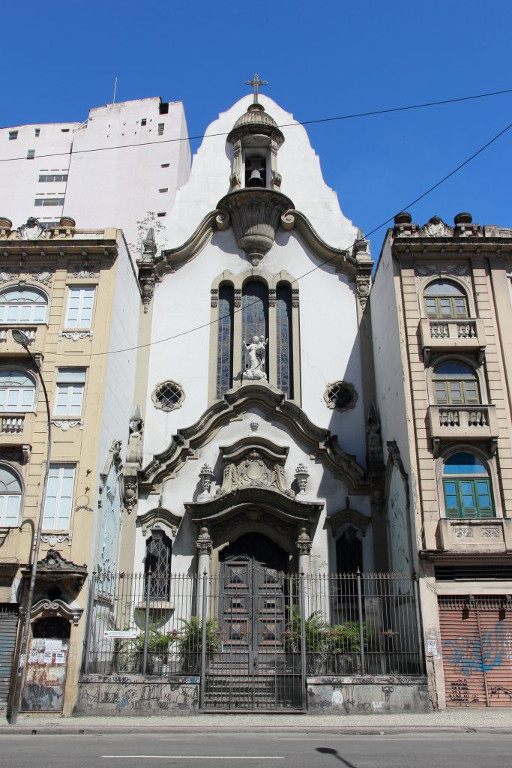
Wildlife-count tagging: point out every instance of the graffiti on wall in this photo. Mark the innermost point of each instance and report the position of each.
(128, 695)
(468, 655)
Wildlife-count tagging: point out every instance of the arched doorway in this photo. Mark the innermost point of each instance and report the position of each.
(253, 671)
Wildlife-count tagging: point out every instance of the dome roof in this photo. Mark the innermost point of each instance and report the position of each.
(255, 120)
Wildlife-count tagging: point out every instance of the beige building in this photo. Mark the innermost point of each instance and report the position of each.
(73, 293)
(441, 318)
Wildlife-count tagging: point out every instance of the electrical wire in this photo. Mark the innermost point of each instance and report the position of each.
(352, 116)
(326, 261)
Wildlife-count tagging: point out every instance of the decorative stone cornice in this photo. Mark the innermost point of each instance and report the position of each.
(321, 443)
(171, 258)
(53, 567)
(47, 607)
(159, 515)
(280, 506)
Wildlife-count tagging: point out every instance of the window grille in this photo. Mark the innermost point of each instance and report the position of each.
(168, 396)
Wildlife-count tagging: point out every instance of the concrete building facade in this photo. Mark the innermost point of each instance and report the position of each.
(441, 311)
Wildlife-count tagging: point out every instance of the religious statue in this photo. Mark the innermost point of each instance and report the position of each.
(256, 364)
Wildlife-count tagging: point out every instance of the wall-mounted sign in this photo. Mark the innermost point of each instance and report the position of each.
(125, 634)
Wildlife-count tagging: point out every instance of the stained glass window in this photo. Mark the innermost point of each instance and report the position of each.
(284, 340)
(254, 315)
(225, 340)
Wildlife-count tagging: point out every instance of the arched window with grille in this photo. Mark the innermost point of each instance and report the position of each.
(284, 347)
(158, 564)
(455, 383)
(445, 299)
(17, 391)
(467, 487)
(349, 560)
(10, 497)
(225, 340)
(23, 305)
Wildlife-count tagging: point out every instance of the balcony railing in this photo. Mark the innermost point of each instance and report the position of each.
(12, 425)
(452, 335)
(463, 422)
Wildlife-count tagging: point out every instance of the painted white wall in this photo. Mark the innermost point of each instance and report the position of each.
(119, 185)
(119, 382)
(297, 163)
(114, 166)
(20, 185)
(389, 356)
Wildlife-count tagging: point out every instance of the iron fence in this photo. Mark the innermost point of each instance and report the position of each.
(251, 624)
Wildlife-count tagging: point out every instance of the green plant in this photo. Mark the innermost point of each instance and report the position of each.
(190, 639)
(158, 642)
(315, 629)
(345, 638)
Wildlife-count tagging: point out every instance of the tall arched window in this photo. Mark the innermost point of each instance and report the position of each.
(158, 563)
(17, 392)
(254, 314)
(10, 498)
(225, 340)
(467, 487)
(455, 384)
(23, 305)
(445, 299)
(284, 349)
(349, 560)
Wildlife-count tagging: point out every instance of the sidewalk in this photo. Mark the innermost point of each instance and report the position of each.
(454, 720)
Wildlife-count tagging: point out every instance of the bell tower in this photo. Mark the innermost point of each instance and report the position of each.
(254, 202)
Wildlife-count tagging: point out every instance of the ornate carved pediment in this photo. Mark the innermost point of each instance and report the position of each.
(254, 462)
(48, 607)
(435, 227)
(157, 515)
(321, 443)
(53, 567)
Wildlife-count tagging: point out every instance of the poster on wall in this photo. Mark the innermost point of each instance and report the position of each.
(46, 675)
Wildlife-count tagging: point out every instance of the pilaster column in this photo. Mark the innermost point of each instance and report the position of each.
(204, 550)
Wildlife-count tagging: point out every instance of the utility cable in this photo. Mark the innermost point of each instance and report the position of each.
(284, 125)
(326, 261)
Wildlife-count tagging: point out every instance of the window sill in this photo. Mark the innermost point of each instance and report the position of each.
(75, 334)
(65, 423)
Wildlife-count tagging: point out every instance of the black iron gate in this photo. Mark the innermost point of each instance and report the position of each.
(255, 670)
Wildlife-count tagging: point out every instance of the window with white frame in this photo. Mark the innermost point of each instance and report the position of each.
(23, 305)
(59, 497)
(70, 392)
(10, 498)
(80, 305)
(17, 391)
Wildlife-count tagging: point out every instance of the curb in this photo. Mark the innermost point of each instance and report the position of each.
(45, 730)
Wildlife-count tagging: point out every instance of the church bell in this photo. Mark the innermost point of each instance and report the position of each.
(255, 173)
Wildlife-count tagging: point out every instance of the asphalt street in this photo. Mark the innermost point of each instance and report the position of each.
(261, 750)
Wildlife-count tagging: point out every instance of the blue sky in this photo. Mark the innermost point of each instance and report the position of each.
(321, 59)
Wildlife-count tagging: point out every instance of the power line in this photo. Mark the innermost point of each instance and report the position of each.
(351, 116)
(326, 261)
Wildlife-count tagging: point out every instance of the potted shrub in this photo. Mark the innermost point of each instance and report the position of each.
(190, 642)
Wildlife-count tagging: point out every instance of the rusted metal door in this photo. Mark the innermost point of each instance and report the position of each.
(476, 635)
(8, 628)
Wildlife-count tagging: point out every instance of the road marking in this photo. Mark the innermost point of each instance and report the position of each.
(192, 757)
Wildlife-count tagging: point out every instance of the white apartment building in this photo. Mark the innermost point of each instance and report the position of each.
(125, 161)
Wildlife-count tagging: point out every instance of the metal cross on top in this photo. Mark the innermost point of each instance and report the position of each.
(256, 83)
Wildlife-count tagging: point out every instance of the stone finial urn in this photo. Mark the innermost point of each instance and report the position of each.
(255, 216)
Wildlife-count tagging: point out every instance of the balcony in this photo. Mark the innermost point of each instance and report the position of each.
(16, 432)
(491, 535)
(466, 335)
(463, 423)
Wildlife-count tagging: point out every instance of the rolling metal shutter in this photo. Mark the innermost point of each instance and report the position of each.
(8, 628)
(476, 636)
